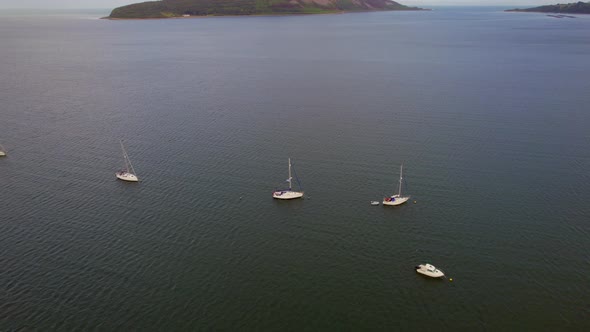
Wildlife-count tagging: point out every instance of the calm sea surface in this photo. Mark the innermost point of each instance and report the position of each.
(488, 111)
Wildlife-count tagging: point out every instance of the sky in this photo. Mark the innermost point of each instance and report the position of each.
(73, 4)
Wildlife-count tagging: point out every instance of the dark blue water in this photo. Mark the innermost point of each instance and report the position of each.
(487, 110)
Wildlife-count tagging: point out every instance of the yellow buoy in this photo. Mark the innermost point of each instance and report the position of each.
(414, 202)
(451, 279)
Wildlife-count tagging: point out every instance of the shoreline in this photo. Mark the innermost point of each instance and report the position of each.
(541, 12)
(259, 15)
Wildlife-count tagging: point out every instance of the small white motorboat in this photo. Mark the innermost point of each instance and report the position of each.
(374, 203)
(429, 270)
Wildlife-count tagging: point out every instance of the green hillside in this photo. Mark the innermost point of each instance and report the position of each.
(178, 8)
(570, 8)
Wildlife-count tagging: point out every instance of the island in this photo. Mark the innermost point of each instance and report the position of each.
(190, 8)
(570, 8)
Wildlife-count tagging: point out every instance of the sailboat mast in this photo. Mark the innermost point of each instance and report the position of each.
(401, 170)
(128, 165)
(289, 179)
(124, 156)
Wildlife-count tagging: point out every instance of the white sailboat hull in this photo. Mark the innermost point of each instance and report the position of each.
(395, 200)
(2, 154)
(126, 176)
(287, 194)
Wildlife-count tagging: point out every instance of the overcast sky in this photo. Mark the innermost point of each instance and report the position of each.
(58, 4)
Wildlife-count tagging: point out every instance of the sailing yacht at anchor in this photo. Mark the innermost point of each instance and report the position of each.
(128, 173)
(398, 198)
(288, 193)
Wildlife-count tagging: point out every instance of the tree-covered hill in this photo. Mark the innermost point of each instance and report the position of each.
(178, 8)
(570, 8)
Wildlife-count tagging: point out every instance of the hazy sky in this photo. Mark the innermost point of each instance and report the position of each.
(49, 4)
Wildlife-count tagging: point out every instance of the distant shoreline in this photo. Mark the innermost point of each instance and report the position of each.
(568, 8)
(540, 12)
(261, 15)
(206, 16)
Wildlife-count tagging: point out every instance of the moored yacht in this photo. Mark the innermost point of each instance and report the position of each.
(397, 199)
(288, 193)
(429, 270)
(128, 173)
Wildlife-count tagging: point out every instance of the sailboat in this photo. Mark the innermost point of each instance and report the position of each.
(398, 198)
(2, 151)
(128, 173)
(288, 193)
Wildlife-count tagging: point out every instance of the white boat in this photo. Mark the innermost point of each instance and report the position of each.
(397, 199)
(2, 151)
(429, 270)
(287, 193)
(128, 173)
(374, 203)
